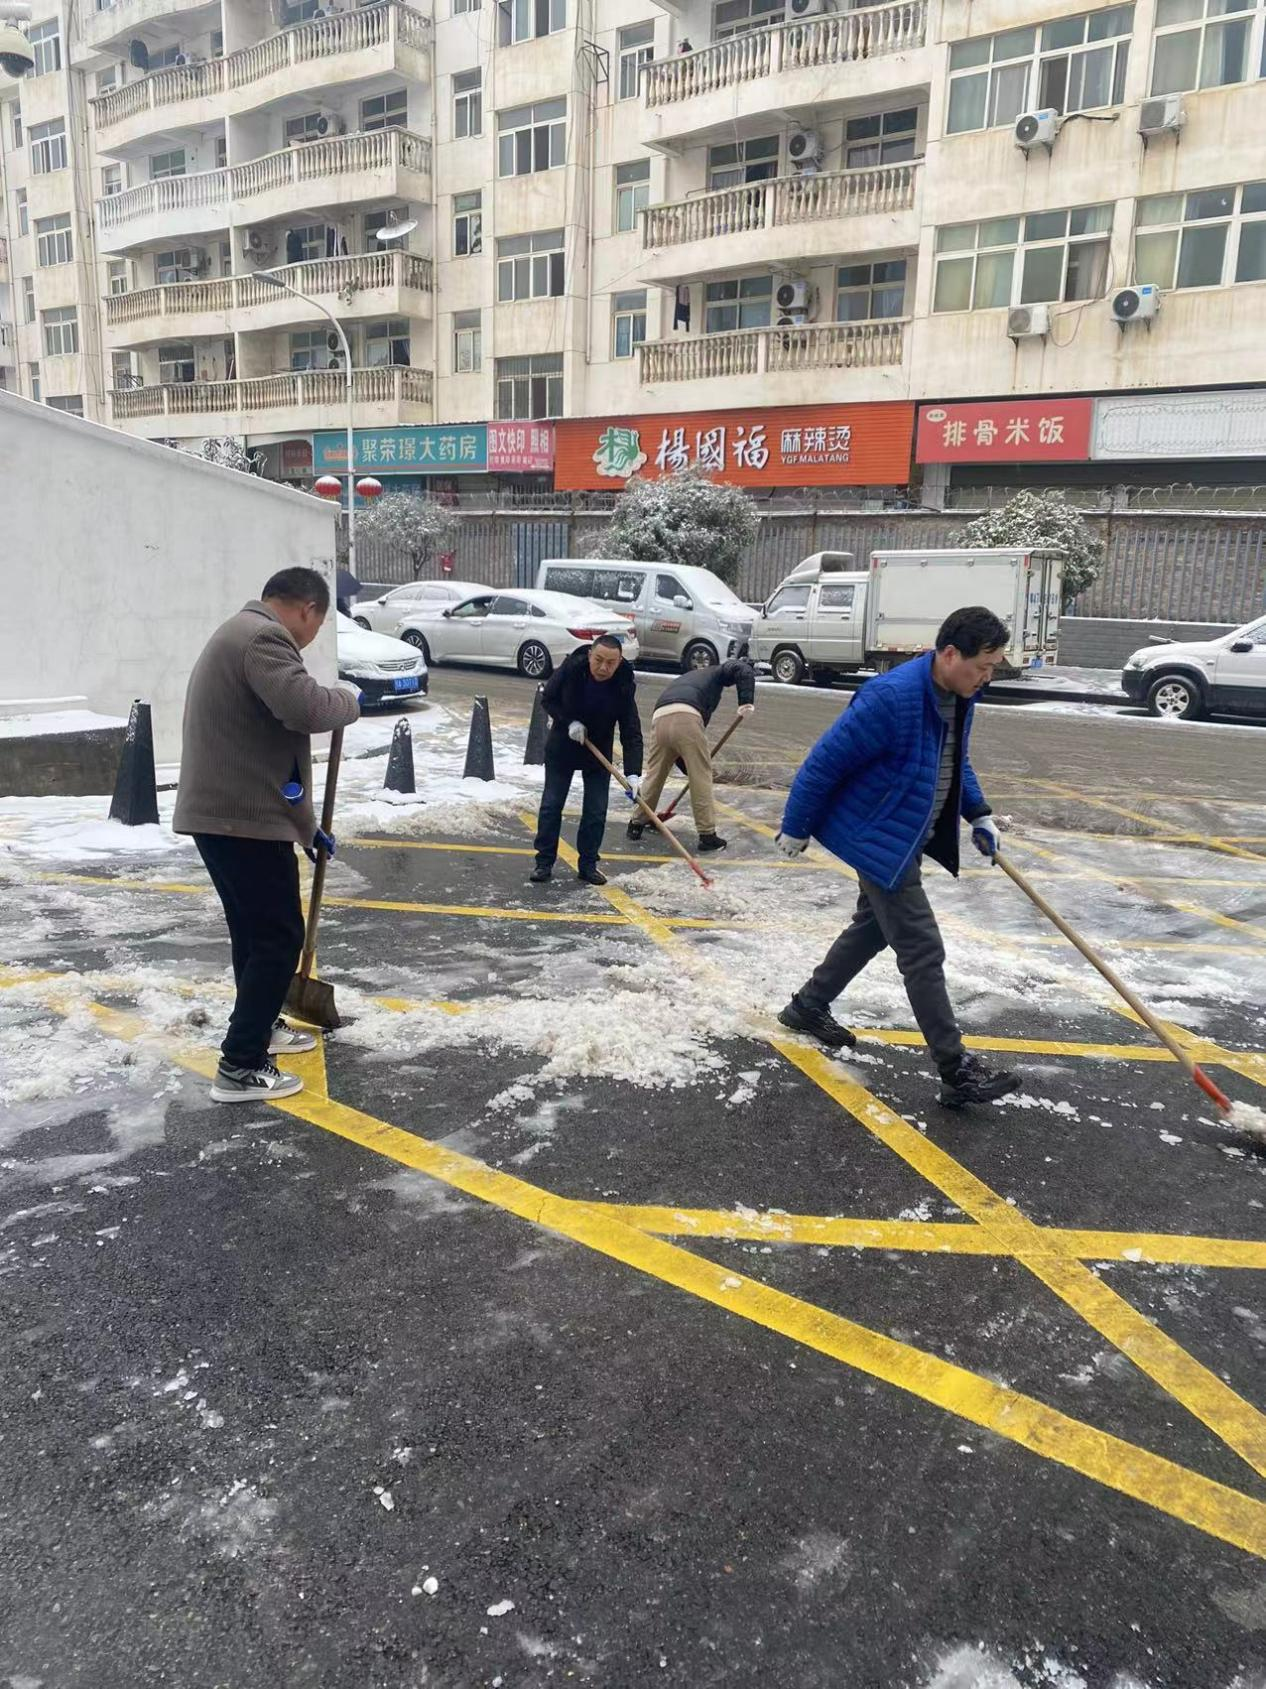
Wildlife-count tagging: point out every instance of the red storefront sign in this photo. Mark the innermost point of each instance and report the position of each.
(296, 457)
(1006, 431)
(520, 447)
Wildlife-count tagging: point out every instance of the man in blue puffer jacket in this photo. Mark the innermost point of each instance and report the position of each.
(881, 789)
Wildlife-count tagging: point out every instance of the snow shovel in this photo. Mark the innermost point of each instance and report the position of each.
(667, 814)
(651, 816)
(312, 999)
(1149, 1020)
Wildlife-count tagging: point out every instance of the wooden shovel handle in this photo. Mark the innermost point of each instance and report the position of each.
(651, 815)
(318, 869)
(672, 808)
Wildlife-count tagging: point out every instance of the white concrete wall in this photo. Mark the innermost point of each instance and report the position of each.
(121, 557)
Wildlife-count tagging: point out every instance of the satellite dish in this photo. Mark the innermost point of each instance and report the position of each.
(396, 231)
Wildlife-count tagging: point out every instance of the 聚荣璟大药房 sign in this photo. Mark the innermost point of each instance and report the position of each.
(1006, 431)
(855, 445)
(443, 449)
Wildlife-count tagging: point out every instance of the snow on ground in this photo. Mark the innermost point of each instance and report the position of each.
(38, 723)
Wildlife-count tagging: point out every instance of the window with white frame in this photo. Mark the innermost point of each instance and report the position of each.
(116, 277)
(48, 146)
(532, 138)
(867, 292)
(740, 302)
(308, 349)
(46, 44)
(173, 266)
(1046, 256)
(530, 266)
(221, 152)
(632, 193)
(163, 58)
(177, 365)
(468, 219)
(373, 221)
(54, 242)
(61, 332)
(1209, 238)
(884, 137)
(70, 404)
(15, 119)
(166, 164)
(28, 299)
(105, 80)
(33, 373)
(628, 322)
(385, 111)
(121, 374)
(735, 17)
(737, 162)
(529, 389)
(1071, 64)
(1207, 44)
(635, 47)
(468, 104)
(460, 6)
(311, 241)
(217, 43)
(111, 180)
(468, 347)
(387, 343)
(24, 216)
(524, 20)
(306, 127)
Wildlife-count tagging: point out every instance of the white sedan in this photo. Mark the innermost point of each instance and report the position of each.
(385, 614)
(383, 668)
(525, 629)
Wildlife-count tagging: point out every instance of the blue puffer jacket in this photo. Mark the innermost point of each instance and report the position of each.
(867, 787)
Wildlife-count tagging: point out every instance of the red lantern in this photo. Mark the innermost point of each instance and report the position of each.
(369, 487)
(328, 486)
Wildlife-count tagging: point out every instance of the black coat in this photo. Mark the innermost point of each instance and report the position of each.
(702, 688)
(571, 695)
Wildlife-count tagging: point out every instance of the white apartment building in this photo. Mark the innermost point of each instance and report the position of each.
(609, 199)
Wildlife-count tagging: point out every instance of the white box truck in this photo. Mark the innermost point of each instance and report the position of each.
(829, 618)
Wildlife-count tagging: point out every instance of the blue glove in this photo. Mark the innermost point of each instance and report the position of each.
(324, 841)
(985, 836)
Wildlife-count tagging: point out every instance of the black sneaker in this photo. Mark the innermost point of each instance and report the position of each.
(591, 876)
(818, 1023)
(253, 1084)
(972, 1082)
(635, 829)
(710, 841)
(540, 874)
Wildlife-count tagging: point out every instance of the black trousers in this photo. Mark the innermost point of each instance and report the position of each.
(901, 918)
(258, 884)
(593, 815)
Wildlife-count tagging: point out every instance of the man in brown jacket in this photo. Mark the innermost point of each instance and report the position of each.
(245, 795)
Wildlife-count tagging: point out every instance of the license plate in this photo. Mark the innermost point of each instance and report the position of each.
(405, 683)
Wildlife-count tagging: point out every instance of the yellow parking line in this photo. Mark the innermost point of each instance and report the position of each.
(649, 859)
(1161, 834)
(474, 912)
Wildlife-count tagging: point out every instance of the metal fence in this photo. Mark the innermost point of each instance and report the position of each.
(1159, 563)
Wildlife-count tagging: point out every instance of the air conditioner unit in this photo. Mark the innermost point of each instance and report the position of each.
(257, 243)
(1162, 116)
(1029, 322)
(804, 148)
(1136, 304)
(1036, 129)
(798, 9)
(330, 123)
(791, 294)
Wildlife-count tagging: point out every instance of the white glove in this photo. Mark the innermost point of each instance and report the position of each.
(634, 783)
(576, 732)
(985, 836)
(746, 709)
(349, 686)
(790, 848)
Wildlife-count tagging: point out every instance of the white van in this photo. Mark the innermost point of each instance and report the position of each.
(1192, 678)
(684, 616)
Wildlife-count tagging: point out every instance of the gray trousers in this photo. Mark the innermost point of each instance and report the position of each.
(901, 918)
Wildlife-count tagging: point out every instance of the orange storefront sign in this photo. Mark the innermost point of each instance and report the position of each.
(865, 445)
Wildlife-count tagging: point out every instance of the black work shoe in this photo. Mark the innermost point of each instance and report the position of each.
(591, 876)
(710, 841)
(635, 829)
(818, 1023)
(972, 1082)
(540, 874)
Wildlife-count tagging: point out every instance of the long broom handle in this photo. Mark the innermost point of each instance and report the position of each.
(650, 814)
(1116, 982)
(671, 810)
(318, 869)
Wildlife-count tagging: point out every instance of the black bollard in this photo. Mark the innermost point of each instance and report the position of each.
(400, 777)
(135, 800)
(479, 745)
(537, 729)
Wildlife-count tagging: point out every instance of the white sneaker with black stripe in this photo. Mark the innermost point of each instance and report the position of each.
(264, 1084)
(289, 1040)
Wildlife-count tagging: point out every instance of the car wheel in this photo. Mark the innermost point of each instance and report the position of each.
(534, 660)
(700, 655)
(788, 667)
(361, 622)
(412, 637)
(1176, 697)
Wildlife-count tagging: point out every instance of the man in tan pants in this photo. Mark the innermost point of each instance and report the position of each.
(679, 734)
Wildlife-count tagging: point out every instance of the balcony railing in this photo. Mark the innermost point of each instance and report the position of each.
(365, 271)
(310, 161)
(840, 38)
(753, 351)
(317, 388)
(781, 201)
(322, 38)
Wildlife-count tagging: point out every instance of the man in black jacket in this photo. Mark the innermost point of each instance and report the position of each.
(591, 694)
(678, 734)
